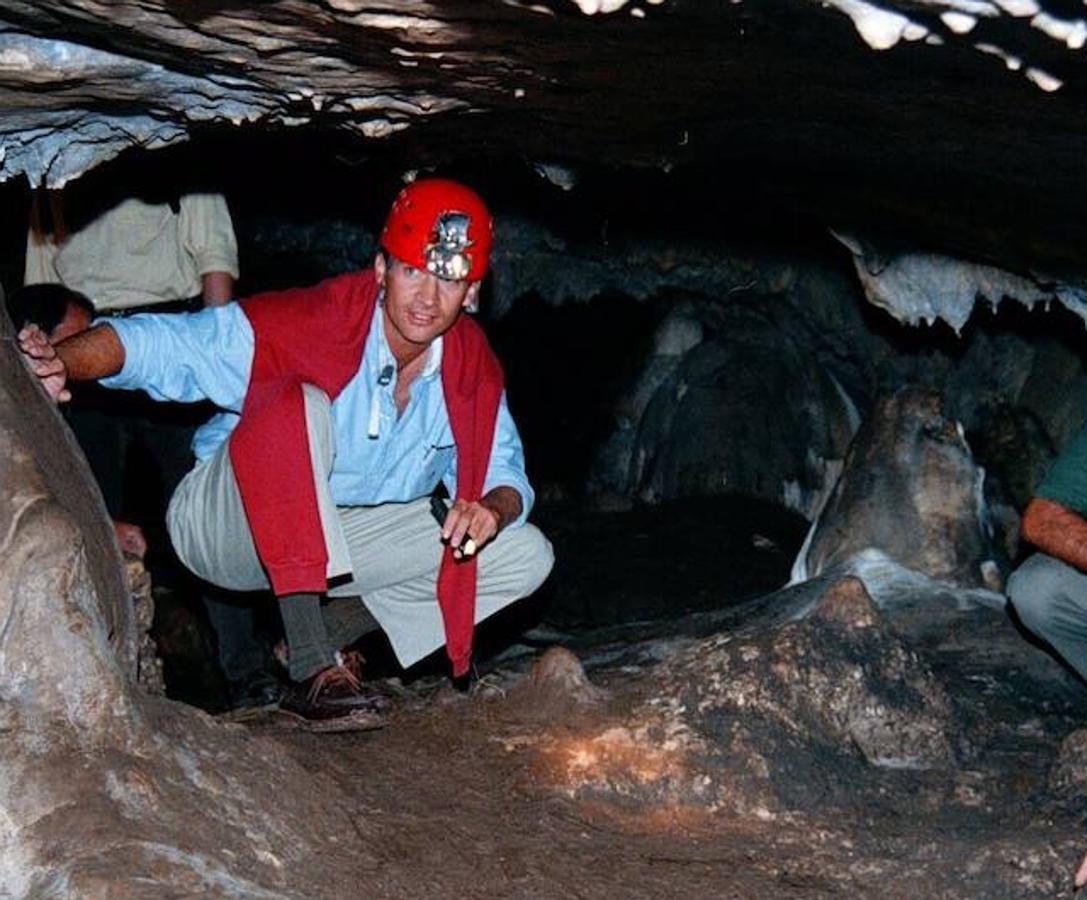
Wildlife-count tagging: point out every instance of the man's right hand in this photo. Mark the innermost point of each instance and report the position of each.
(44, 362)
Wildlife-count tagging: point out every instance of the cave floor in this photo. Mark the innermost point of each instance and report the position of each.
(494, 794)
(478, 796)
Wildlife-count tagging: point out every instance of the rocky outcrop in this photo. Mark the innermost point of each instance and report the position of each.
(733, 400)
(101, 785)
(911, 489)
(68, 641)
(917, 287)
(774, 717)
(149, 673)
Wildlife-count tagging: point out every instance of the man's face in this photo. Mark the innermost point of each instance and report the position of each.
(420, 306)
(76, 319)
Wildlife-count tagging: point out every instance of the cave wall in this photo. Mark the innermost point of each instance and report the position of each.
(50, 501)
(680, 365)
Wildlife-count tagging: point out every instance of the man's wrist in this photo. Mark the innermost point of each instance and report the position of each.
(494, 510)
(504, 503)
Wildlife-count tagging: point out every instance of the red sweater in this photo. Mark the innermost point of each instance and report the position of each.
(316, 336)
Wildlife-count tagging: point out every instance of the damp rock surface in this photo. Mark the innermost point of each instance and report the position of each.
(68, 636)
(912, 490)
(814, 744)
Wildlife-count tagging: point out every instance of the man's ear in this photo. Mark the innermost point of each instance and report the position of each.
(379, 268)
(471, 298)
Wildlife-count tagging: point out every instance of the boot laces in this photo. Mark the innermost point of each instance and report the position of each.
(333, 675)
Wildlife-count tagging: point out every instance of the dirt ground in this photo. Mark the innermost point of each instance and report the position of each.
(515, 791)
(474, 796)
(459, 813)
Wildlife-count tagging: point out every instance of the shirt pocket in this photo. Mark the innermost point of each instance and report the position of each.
(438, 459)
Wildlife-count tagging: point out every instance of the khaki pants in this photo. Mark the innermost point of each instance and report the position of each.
(1050, 598)
(390, 553)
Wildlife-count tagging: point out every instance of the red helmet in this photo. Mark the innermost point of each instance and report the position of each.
(440, 226)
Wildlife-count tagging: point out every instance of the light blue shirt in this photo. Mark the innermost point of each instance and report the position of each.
(380, 457)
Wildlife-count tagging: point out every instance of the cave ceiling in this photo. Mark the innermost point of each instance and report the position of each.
(955, 126)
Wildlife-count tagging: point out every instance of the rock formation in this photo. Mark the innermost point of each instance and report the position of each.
(69, 634)
(911, 489)
(101, 785)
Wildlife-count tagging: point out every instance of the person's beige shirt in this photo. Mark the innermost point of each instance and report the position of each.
(137, 254)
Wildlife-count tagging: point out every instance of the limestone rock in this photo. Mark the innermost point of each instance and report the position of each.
(68, 645)
(1069, 772)
(105, 791)
(716, 423)
(85, 80)
(910, 489)
(838, 678)
(556, 687)
(149, 674)
(782, 715)
(923, 287)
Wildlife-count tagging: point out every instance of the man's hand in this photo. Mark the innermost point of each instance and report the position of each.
(42, 358)
(469, 527)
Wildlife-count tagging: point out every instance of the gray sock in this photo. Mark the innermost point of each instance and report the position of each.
(346, 620)
(307, 641)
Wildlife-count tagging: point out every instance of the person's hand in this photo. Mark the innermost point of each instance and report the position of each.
(130, 538)
(469, 527)
(42, 358)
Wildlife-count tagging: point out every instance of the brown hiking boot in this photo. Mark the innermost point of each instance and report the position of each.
(334, 700)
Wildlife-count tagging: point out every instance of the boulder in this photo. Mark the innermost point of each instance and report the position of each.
(912, 490)
(781, 715)
(68, 643)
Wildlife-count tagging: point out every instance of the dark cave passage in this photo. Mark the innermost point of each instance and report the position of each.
(674, 477)
(777, 558)
(790, 303)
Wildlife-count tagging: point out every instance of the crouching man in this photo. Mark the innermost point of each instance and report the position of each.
(344, 405)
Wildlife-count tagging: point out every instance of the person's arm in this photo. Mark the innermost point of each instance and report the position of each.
(207, 235)
(186, 357)
(182, 357)
(41, 244)
(1056, 530)
(507, 495)
(91, 354)
(218, 288)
